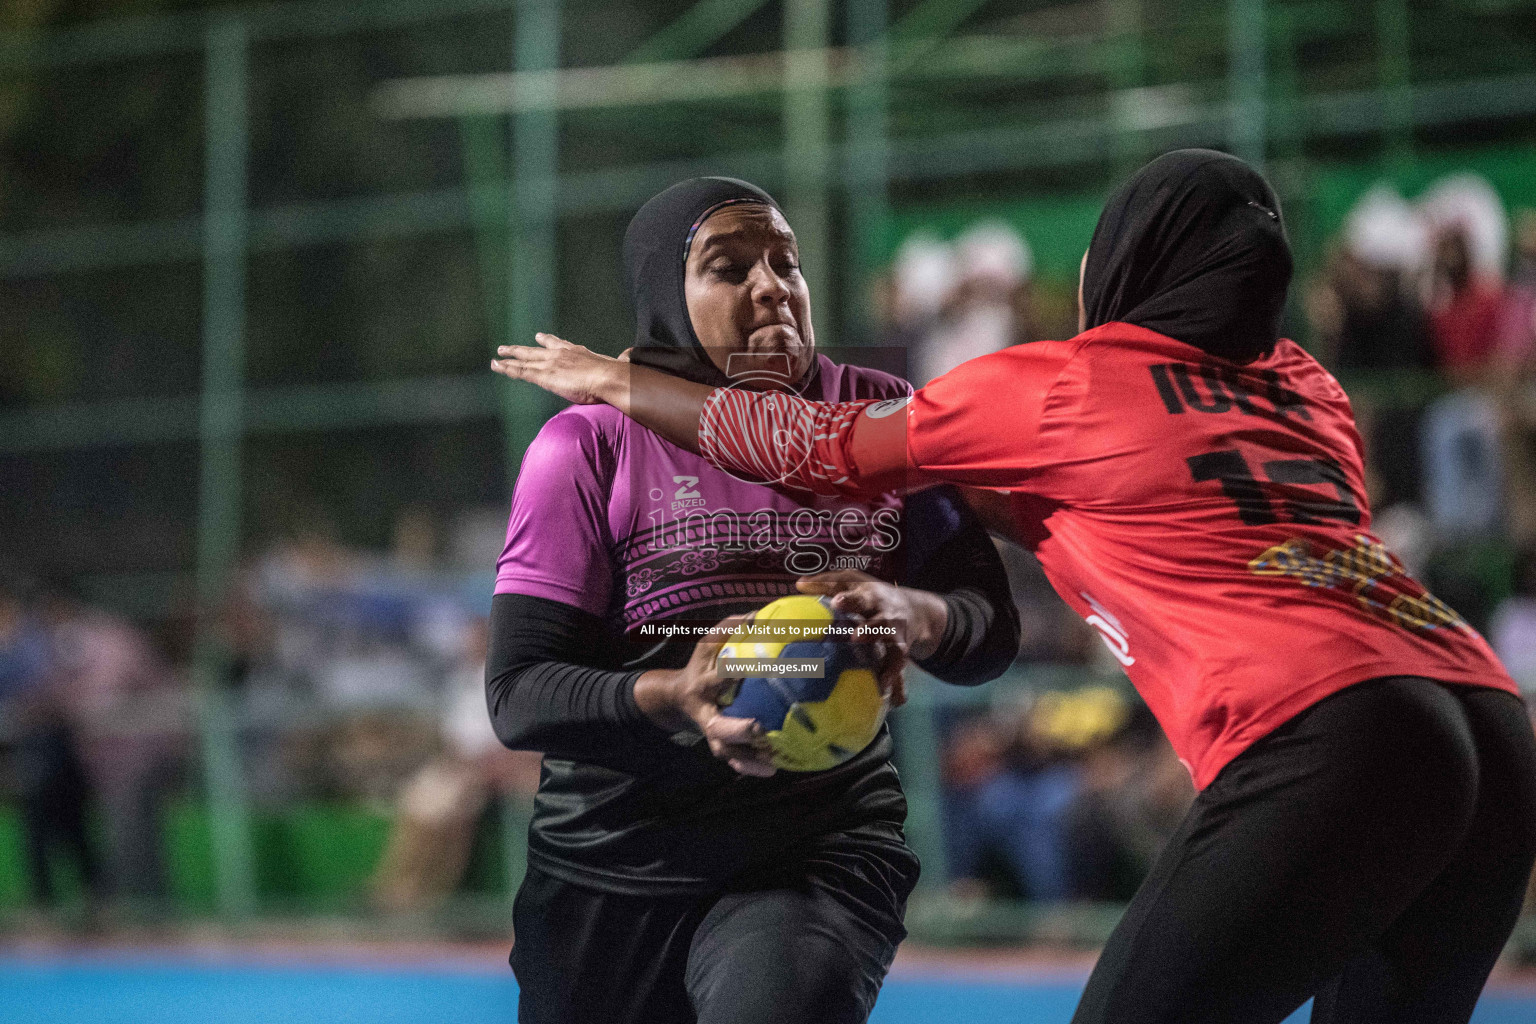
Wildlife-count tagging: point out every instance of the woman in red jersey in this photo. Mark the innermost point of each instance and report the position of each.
(1193, 486)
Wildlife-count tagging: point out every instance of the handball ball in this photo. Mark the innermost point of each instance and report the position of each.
(812, 724)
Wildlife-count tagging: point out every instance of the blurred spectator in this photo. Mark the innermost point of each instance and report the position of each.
(1050, 631)
(441, 808)
(972, 755)
(131, 715)
(1452, 479)
(1366, 317)
(954, 303)
(50, 780)
(342, 655)
(1513, 629)
(1068, 798)
(1517, 321)
(1465, 308)
(414, 546)
(1005, 813)
(1465, 287)
(346, 662)
(1363, 310)
(1134, 794)
(1462, 438)
(1406, 531)
(921, 281)
(1467, 203)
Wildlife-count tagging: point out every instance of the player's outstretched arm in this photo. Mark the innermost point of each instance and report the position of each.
(667, 405)
(851, 448)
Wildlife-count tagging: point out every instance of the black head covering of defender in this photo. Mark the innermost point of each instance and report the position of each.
(655, 257)
(1192, 247)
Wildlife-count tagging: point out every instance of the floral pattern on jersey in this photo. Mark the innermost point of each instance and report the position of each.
(640, 581)
(694, 562)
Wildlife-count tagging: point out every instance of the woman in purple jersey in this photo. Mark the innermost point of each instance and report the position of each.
(673, 876)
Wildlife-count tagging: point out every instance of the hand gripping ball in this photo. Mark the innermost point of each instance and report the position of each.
(812, 723)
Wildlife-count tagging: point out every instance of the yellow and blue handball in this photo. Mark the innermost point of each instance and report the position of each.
(812, 688)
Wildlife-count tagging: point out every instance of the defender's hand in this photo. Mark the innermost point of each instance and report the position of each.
(919, 617)
(689, 698)
(574, 373)
(885, 613)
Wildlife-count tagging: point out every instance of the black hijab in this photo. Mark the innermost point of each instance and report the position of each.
(655, 253)
(1192, 247)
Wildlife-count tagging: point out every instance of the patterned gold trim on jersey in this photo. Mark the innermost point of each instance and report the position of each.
(1372, 575)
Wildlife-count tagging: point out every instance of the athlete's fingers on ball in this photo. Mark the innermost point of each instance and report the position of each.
(877, 626)
(757, 769)
(848, 575)
(748, 751)
(843, 593)
(708, 652)
(834, 582)
(744, 753)
(742, 735)
(712, 693)
(736, 740)
(890, 672)
(859, 599)
(726, 625)
(717, 635)
(894, 635)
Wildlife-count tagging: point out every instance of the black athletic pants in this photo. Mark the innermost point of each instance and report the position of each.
(1373, 852)
(810, 944)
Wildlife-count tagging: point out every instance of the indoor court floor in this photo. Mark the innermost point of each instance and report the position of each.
(259, 987)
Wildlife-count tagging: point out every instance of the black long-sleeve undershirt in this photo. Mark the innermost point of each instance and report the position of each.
(540, 695)
(544, 694)
(981, 634)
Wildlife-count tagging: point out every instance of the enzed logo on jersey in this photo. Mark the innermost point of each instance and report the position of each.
(1110, 631)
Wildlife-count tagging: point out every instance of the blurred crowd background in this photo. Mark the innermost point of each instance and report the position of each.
(253, 475)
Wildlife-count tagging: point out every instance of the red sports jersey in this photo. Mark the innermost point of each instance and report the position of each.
(1209, 519)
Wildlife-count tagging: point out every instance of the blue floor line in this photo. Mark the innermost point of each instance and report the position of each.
(105, 992)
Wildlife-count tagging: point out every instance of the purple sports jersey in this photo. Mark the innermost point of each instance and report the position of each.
(612, 519)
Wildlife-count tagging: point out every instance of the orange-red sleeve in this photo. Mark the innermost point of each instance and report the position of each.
(981, 423)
